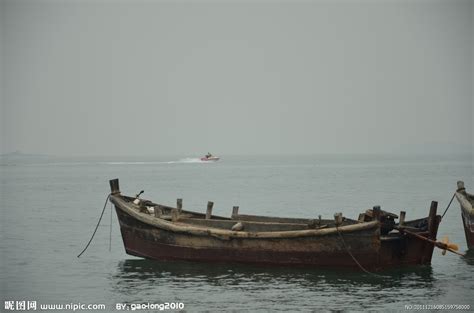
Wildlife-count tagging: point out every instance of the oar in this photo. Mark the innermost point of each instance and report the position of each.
(451, 247)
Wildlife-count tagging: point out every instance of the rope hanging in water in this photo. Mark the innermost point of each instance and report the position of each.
(97, 226)
(352, 256)
(448, 205)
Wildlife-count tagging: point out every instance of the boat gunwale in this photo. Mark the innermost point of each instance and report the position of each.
(119, 202)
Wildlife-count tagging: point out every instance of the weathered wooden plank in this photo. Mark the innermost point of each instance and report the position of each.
(402, 218)
(210, 204)
(235, 212)
(432, 223)
(174, 214)
(258, 218)
(248, 226)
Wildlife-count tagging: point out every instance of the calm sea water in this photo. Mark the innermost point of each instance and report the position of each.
(50, 206)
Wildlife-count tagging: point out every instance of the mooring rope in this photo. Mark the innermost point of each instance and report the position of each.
(448, 205)
(97, 226)
(352, 256)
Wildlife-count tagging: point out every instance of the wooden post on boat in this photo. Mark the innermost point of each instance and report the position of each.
(114, 186)
(157, 211)
(174, 214)
(338, 219)
(432, 225)
(235, 212)
(376, 212)
(179, 204)
(402, 218)
(209, 210)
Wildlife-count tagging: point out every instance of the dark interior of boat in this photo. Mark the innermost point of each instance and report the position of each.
(250, 223)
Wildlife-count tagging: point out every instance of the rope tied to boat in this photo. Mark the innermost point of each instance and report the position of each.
(352, 256)
(452, 198)
(97, 226)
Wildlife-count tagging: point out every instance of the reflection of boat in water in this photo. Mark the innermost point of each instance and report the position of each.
(262, 288)
(466, 201)
(160, 232)
(235, 273)
(210, 158)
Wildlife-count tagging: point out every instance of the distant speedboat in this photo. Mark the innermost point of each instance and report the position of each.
(209, 157)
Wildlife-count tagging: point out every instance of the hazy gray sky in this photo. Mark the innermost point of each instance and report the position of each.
(185, 78)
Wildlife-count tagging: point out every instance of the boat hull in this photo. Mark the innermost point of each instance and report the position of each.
(150, 242)
(331, 250)
(405, 251)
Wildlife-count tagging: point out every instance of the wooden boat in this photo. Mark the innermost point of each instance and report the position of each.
(372, 242)
(466, 201)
